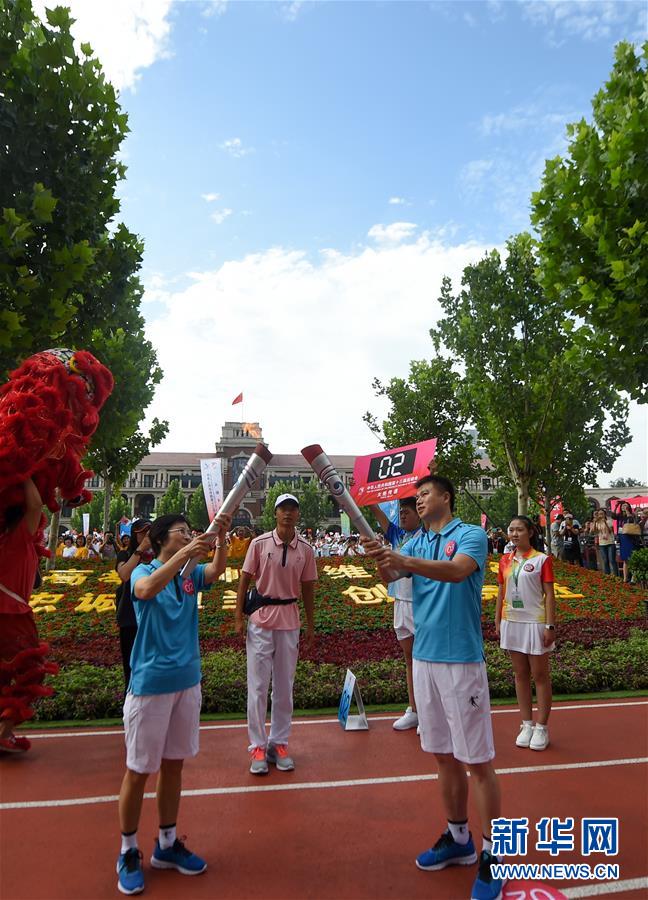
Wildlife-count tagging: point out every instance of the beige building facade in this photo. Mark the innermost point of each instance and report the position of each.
(152, 477)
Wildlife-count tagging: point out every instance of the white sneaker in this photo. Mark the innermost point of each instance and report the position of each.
(540, 739)
(525, 735)
(409, 719)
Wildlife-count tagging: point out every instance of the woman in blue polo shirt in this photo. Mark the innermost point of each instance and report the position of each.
(162, 708)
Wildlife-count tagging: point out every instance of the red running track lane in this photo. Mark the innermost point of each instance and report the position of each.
(321, 842)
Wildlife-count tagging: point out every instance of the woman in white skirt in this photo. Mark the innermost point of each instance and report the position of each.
(525, 619)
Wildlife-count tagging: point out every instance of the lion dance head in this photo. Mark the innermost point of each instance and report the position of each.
(49, 410)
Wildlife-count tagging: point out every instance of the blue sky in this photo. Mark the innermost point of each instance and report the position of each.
(451, 108)
(303, 174)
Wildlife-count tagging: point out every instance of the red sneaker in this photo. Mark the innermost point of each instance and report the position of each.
(14, 744)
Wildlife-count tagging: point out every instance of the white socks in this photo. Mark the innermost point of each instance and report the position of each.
(128, 842)
(459, 831)
(167, 836)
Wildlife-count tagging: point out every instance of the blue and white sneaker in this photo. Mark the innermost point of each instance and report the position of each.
(486, 887)
(129, 870)
(177, 857)
(447, 852)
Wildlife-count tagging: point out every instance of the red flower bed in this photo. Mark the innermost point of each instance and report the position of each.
(346, 630)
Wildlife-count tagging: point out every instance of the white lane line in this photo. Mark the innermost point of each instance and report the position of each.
(596, 888)
(47, 735)
(319, 785)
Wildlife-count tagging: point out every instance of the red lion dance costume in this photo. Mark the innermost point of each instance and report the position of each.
(49, 410)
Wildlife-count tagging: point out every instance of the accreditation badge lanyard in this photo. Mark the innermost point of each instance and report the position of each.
(516, 596)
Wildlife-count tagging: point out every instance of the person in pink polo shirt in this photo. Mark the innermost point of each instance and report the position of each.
(282, 564)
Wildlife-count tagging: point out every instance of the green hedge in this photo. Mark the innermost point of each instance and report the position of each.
(91, 692)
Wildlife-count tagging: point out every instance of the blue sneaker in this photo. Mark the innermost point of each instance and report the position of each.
(447, 852)
(129, 870)
(486, 887)
(177, 857)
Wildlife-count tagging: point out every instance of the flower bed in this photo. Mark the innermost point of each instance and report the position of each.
(602, 638)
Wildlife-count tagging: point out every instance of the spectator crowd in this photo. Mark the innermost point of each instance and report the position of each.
(604, 542)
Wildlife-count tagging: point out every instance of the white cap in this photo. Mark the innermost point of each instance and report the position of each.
(282, 498)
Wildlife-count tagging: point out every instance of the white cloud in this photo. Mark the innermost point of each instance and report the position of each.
(473, 175)
(290, 11)
(235, 148)
(220, 215)
(126, 35)
(210, 198)
(397, 201)
(530, 115)
(591, 20)
(392, 234)
(213, 8)
(289, 331)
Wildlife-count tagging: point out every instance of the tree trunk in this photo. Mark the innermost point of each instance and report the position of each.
(52, 543)
(522, 485)
(107, 499)
(547, 512)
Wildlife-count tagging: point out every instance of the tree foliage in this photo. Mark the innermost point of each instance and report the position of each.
(67, 272)
(531, 406)
(425, 405)
(197, 509)
(313, 504)
(592, 216)
(172, 501)
(118, 444)
(625, 483)
(119, 507)
(61, 270)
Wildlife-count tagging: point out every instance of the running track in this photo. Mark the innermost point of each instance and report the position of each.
(346, 824)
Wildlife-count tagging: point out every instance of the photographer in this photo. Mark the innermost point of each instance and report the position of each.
(108, 548)
(571, 551)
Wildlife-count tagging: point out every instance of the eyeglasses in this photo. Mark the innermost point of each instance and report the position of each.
(184, 531)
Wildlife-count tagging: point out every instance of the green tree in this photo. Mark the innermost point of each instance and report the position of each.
(197, 509)
(61, 127)
(118, 444)
(94, 509)
(625, 483)
(591, 212)
(172, 501)
(313, 504)
(426, 405)
(119, 506)
(501, 506)
(519, 386)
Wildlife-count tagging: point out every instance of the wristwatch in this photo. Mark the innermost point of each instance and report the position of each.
(550, 627)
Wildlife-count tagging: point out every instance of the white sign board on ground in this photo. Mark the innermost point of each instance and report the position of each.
(351, 692)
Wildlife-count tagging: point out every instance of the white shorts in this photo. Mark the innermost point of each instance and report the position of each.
(403, 619)
(453, 706)
(524, 637)
(161, 726)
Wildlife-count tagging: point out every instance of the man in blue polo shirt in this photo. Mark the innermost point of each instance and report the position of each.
(446, 562)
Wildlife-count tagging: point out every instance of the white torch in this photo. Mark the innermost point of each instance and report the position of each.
(325, 471)
(245, 482)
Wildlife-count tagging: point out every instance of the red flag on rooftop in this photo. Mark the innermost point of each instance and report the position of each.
(238, 399)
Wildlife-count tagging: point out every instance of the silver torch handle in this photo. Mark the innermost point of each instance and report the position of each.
(325, 471)
(245, 482)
